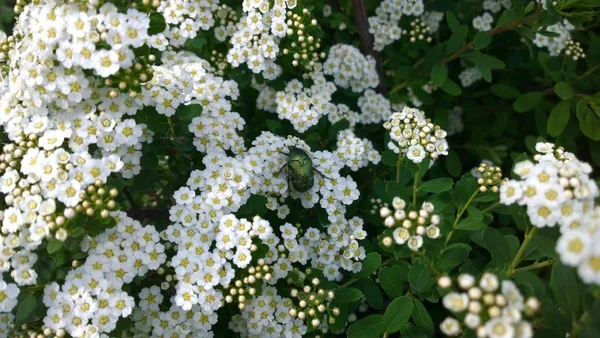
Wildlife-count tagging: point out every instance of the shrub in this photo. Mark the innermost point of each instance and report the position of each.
(291, 168)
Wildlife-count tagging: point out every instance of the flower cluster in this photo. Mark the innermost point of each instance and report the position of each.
(374, 107)
(491, 308)
(218, 125)
(257, 36)
(356, 153)
(184, 19)
(432, 19)
(409, 227)
(484, 22)
(455, 121)
(91, 298)
(468, 76)
(556, 187)
(251, 321)
(338, 112)
(415, 136)
(555, 44)
(303, 106)
(350, 68)
(266, 161)
(385, 25)
(576, 246)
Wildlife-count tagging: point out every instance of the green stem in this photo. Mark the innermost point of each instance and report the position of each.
(459, 215)
(578, 325)
(415, 190)
(590, 71)
(535, 265)
(491, 207)
(171, 127)
(398, 167)
(519, 256)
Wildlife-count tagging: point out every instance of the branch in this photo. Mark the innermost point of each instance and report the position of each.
(366, 40)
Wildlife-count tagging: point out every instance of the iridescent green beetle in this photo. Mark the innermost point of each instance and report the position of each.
(300, 170)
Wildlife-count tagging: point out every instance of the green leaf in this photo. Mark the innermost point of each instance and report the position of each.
(453, 163)
(482, 40)
(505, 92)
(563, 90)
(475, 213)
(391, 281)
(370, 264)
(565, 289)
(559, 118)
(588, 121)
(528, 101)
(372, 294)
(369, 327)
(497, 245)
(422, 318)
(157, 23)
(457, 39)
(347, 294)
(54, 245)
(452, 22)
(452, 256)
(451, 87)
(420, 278)
(397, 314)
(25, 308)
(439, 74)
(473, 224)
(437, 185)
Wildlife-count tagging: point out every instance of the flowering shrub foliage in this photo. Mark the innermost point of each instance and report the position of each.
(299, 168)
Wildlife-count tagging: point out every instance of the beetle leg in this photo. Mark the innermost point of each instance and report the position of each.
(320, 173)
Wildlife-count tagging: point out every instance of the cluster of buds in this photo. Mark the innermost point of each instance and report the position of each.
(489, 177)
(409, 227)
(490, 308)
(96, 200)
(7, 43)
(220, 61)
(225, 18)
(299, 42)
(313, 303)
(377, 204)
(415, 135)
(574, 50)
(130, 80)
(243, 289)
(419, 31)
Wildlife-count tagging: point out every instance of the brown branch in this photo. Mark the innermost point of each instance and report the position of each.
(493, 32)
(366, 40)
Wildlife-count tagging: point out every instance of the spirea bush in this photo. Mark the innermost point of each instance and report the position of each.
(300, 168)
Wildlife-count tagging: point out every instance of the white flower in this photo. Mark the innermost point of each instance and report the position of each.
(523, 168)
(489, 282)
(416, 153)
(450, 327)
(510, 192)
(499, 328)
(466, 281)
(8, 296)
(456, 302)
(574, 247)
(415, 242)
(401, 235)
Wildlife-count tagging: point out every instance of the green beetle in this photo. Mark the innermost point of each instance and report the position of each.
(300, 170)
